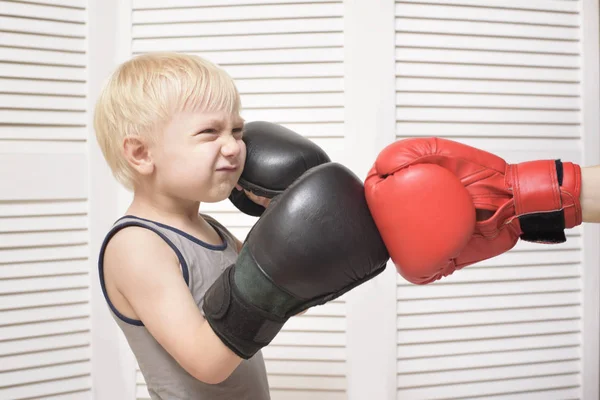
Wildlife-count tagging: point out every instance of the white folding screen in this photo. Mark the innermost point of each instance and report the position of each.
(504, 77)
(44, 254)
(510, 78)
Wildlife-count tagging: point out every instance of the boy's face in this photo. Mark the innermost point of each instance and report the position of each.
(200, 156)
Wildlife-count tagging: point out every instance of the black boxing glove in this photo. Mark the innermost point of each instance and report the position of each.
(275, 157)
(315, 242)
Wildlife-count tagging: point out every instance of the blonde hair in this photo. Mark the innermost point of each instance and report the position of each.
(142, 95)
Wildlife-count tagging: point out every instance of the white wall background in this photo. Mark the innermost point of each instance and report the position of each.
(517, 79)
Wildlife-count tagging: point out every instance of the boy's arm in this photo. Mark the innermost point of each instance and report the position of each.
(151, 281)
(590, 194)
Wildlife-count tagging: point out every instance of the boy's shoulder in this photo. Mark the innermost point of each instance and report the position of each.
(136, 250)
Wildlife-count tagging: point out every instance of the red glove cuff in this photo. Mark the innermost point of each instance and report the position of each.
(546, 198)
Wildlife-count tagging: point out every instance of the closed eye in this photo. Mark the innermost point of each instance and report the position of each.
(210, 130)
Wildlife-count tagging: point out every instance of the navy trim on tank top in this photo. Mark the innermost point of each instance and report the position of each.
(209, 246)
(111, 233)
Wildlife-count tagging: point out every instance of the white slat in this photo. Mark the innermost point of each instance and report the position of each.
(42, 87)
(423, 350)
(240, 43)
(503, 77)
(34, 56)
(242, 12)
(279, 394)
(51, 72)
(491, 72)
(159, 4)
(251, 27)
(39, 103)
(48, 27)
(34, 10)
(489, 13)
(482, 29)
(46, 328)
(497, 44)
(541, 5)
(42, 42)
(80, 382)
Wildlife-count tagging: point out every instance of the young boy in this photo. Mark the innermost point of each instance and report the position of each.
(170, 130)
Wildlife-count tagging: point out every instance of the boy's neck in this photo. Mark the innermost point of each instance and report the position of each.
(164, 209)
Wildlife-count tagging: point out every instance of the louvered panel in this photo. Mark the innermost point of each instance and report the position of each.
(44, 253)
(287, 59)
(503, 77)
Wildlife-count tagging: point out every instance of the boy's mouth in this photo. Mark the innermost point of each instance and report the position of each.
(228, 168)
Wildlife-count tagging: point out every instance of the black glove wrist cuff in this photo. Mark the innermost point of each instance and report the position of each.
(242, 327)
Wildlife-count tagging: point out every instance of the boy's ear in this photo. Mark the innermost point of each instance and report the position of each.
(137, 154)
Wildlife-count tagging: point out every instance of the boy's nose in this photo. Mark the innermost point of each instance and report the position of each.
(231, 147)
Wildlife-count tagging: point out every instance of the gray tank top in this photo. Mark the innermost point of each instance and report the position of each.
(201, 264)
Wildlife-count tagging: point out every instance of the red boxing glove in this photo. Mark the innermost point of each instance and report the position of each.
(441, 205)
